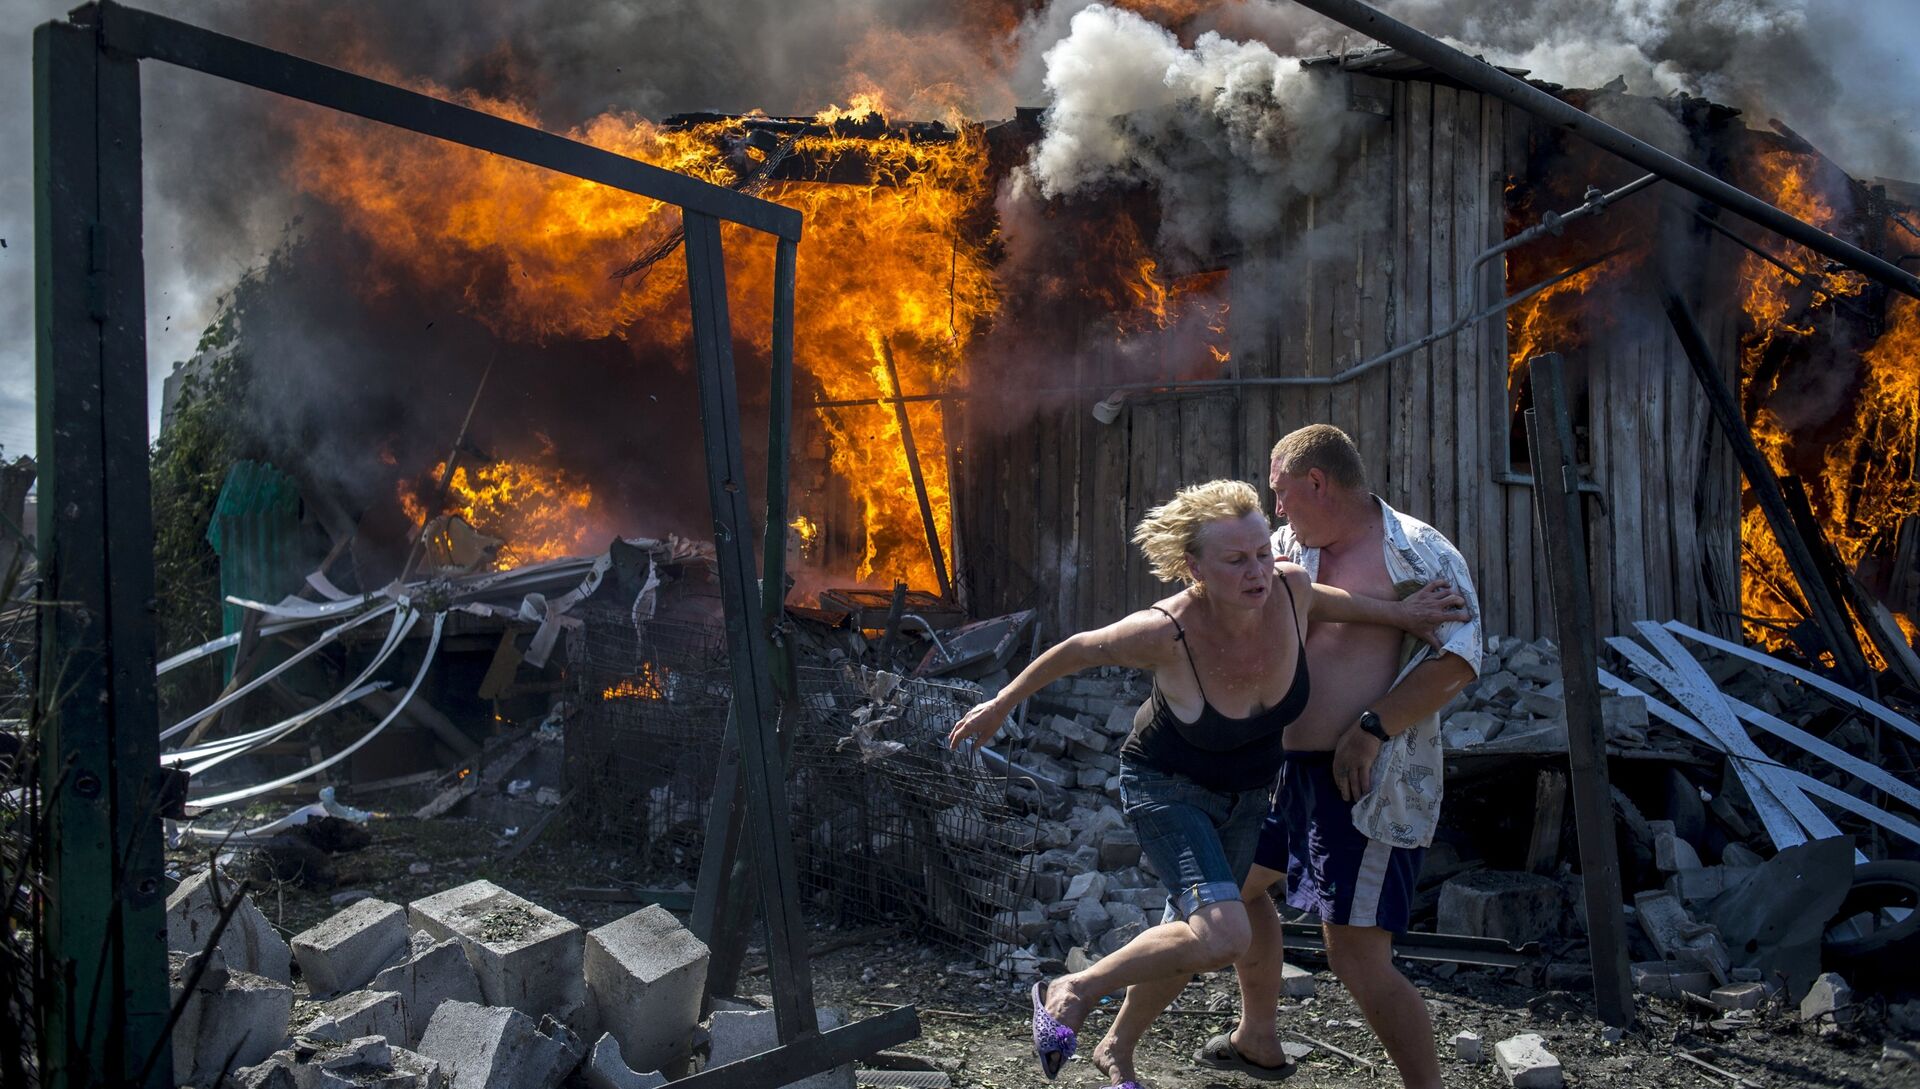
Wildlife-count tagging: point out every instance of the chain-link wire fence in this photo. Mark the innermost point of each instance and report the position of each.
(889, 826)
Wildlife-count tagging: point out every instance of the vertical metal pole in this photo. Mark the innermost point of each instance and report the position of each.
(100, 761)
(1828, 615)
(1556, 487)
(913, 469)
(768, 816)
(724, 893)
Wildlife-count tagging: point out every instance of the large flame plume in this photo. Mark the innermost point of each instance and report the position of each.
(530, 253)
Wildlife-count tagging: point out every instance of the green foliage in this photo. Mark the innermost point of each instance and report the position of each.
(190, 461)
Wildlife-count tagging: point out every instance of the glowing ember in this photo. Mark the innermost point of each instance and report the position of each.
(646, 685)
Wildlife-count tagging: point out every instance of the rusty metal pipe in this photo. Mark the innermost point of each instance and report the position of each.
(1487, 79)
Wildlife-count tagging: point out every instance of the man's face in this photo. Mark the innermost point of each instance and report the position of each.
(1301, 501)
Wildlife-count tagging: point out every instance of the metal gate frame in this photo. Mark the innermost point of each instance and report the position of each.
(107, 1006)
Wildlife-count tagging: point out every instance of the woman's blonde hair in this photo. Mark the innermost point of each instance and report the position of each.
(1171, 531)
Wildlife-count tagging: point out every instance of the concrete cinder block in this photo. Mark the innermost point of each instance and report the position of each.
(1828, 997)
(1679, 936)
(1119, 849)
(1671, 854)
(1088, 921)
(499, 1047)
(526, 956)
(349, 949)
(1740, 996)
(1515, 907)
(238, 1023)
(644, 977)
(607, 1068)
(1527, 1063)
(249, 943)
(738, 1034)
(436, 972)
(360, 1014)
(1296, 982)
(1469, 1048)
(1666, 979)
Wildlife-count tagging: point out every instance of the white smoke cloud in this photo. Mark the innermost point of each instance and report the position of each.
(1227, 132)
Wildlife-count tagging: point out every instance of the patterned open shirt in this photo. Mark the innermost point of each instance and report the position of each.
(1403, 808)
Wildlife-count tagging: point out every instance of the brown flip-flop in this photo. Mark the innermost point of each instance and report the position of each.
(1220, 1054)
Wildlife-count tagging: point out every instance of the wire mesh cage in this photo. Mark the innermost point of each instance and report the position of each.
(889, 826)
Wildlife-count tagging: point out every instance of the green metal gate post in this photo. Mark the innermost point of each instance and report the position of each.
(107, 1002)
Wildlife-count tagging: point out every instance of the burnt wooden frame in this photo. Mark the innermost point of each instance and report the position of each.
(108, 1001)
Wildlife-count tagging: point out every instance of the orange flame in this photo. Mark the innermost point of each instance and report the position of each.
(645, 685)
(1865, 485)
(530, 251)
(538, 509)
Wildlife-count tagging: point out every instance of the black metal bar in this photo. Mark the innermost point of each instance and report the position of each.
(1563, 531)
(1487, 79)
(143, 34)
(1849, 662)
(107, 1006)
(822, 1051)
(762, 772)
(913, 470)
(724, 893)
(1446, 948)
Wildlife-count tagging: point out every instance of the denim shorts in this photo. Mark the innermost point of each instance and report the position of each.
(1200, 841)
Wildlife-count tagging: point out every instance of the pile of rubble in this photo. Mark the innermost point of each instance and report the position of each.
(471, 988)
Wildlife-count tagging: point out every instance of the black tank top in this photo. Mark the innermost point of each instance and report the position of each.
(1217, 752)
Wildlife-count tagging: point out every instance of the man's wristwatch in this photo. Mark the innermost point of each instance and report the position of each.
(1371, 723)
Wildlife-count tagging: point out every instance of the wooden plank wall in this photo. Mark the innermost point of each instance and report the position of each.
(1377, 261)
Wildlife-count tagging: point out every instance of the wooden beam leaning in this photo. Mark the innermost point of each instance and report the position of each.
(107, 1006)
(143, 34)
(1849, 662)
(762, 772)
(1557, 508)
(894, 393)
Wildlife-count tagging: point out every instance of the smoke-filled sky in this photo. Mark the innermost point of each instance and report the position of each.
(1842, 72)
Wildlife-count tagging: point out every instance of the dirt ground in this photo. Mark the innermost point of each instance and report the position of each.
(974, 1025)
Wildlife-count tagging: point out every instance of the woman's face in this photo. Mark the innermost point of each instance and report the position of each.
(1232, 560)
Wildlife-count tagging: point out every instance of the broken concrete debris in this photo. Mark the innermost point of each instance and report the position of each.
(739, 1033)
(347, 950)
(433, 973)
(526, 956)
(1527, 1063)
(249, 944)
(231, 1018)
(1469, 1048)
(360, 1014)
(606, 1068)
(367, 1061)
(645, 976)
(1829, 999)
(1515, 907)
(499, 1047)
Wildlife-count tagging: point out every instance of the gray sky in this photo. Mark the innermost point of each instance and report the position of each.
(1853, 88)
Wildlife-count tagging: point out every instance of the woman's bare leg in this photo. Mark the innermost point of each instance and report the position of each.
(1213, 937)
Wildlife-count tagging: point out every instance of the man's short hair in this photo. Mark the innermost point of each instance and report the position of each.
(1323, 447)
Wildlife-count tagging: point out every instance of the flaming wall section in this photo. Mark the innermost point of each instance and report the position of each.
(1375, 262)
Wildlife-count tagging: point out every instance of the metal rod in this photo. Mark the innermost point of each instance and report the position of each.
(1552, 223)
(139, 33)
(1484, 77)
(1563, 532)
(439, 507)
(1824, 611)
(913, 470)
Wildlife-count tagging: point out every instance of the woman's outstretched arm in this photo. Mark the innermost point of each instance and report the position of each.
(1138, 641)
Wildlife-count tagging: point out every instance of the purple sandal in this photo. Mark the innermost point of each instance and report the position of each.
(1053, 1042)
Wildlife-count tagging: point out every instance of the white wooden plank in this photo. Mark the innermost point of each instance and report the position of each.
(1818, 683)
(1833, 795)
(1783, 827)
(1698, 694)
(1832, 754)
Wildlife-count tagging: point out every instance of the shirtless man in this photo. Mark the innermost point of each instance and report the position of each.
(1359, 793)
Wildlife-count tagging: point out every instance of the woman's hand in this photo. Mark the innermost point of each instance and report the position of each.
(979, 724)
(1426, 609)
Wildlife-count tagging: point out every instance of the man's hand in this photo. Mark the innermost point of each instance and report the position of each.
(979, 724)
(1353, 758)
(1423, 611)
